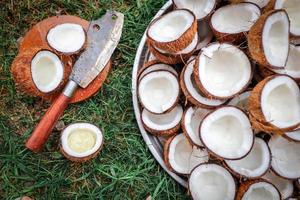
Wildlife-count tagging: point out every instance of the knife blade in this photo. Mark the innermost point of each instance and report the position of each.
(103, 35)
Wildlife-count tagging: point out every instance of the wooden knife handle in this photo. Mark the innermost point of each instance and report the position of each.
(44, 128)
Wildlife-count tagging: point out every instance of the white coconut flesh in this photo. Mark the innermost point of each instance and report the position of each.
(261, 191)
(285, 157)
(66, 38)
(292, 7)
(81, 139)
(285, 187)
(241, 101)
(201, 8)
(158, 91)
(183, 157)
(158, 67)
(211, 182)
(192, 119)
(256, 163)
(171, 26)
(47, 71)
(235, 18)
(275, 39)
(190, 86)
(260, 3)
(224, 70)
(162, 122)
(294, 135)
(227, 133)
(280, 102)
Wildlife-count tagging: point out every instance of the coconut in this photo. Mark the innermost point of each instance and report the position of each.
(155, 65)
(293, 135)
(66, 38)
(285, 187)
(181, 157)
(241, 101)
(257, 190)
(292, 8)
(211, 181)
(158, 91)
(231, 23)
(165, 124)
(192, 93)
(190, 123)
(268, 39)
(222, 71)
(266, 5)
(81, 142)
(227, 133)
(286, 157)
(173, 31)
(255, 164)
(201, 8)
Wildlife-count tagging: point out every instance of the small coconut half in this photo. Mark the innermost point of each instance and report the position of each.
(158, 91)
(285, 187)
(156, 66)
(190, 124)
(173, 31)
(292, 8)
(222, 71)
(285, 157)
(66, 38)
(231, 23)
(227, 133)
(165, 124)
(255, 164)
(211, 182)
(201, 8)
(81, 142)
(241, 101)
(268, 39)
(47, 71)
(191, 92)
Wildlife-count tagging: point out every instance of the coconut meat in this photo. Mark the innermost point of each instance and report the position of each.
(294, 135)
(275, 39)
(81, 139)
(224, 70)
(261, 191)
(183, 157)
(161, 122)
(256, 163)
(201, 8)
(158, 67)
(280, 101)
(211, 182)
(241, 101)
(227, 133)
(235, 18)
(171, 26)
(47, 71)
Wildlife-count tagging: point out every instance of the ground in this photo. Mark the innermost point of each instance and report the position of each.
(125, 168)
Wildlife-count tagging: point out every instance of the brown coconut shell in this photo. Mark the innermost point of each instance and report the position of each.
(255, 43)
(176, 45)
(166, 153)
(268, 7)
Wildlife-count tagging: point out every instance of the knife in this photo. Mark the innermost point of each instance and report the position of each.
(103, 35)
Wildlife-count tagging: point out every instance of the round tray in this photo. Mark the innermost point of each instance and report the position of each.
(155, 144)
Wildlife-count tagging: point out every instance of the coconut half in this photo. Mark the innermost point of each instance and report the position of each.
(285, 187)
(66, 38)
(222, 71)
(156, 66)
(173, 31)
(192, 93)
(158, 91)
(286, 157)
(268, 39)
(230, 23)
(47, 71)
(211, 182)
(181, 157)
(255, 164)
(201, 8)
(292, 8)
(190, 124)
(241, 101)
(81, 142)
(162, 124)
(227, 133)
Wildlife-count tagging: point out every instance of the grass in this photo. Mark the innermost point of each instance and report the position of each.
(125, 169)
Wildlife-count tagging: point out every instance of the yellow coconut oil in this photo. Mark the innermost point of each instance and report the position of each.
(81, 140)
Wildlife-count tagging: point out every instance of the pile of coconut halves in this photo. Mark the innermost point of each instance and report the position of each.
(222, 85)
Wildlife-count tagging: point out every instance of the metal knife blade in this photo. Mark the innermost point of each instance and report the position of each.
(103, 36)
